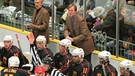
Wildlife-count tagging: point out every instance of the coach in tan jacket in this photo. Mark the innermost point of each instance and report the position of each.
(80, 35)
(40, 21)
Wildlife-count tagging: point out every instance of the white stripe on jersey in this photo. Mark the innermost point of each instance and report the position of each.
(35, 58)
(56, 72)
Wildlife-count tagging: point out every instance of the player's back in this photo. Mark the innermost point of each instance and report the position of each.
(14, 72)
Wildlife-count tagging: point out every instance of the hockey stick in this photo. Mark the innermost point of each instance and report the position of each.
(20, 47)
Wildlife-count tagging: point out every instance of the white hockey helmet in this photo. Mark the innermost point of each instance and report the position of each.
(78, 52)
(13, 61)
(41, 38)
(8, 38)
(65, 42)
(126, 64)
(104, 54)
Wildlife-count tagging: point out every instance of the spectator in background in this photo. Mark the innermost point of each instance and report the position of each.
(133, 18)
(129, 37)
(10, 50)
(126, 13)
(104, 68)
(125, 68)
(94, 17)
(76, 31)
(109, 24)
(40, 21)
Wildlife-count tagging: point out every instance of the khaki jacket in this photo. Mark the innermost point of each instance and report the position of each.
(80, 33)
(41, 22)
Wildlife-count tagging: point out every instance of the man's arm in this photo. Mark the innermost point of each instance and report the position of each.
(45, 22)
(42, 22)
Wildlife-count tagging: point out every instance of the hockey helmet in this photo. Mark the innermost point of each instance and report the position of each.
(47, 60)
(65, 42)
(13, 61)
(104, 54)
(78, 52)
(126, 64)
(41, 38)
(8, 38)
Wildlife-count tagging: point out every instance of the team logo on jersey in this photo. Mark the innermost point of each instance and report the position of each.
(98, 74)
(11, 70)
(112, 74)
(85, 70)
(4, 60)
(16, 54)
(74, 73)
(60, 63)
(49, 55)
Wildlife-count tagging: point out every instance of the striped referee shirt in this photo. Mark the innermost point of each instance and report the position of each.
(56, 72)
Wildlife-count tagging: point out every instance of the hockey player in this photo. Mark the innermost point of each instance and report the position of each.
(126, 68)
(104, 68)
(50, 71)
(10, 50)
(63, 57)
(13, 70)
(79, 66)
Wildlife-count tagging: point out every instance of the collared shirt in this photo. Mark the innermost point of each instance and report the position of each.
(72, 19)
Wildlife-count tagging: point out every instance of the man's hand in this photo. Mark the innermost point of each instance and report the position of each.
(88, 11)
(31, 38)
(131, 2)
(31, 26)
(70, 38)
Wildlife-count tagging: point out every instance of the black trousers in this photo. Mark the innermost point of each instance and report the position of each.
(88, 57)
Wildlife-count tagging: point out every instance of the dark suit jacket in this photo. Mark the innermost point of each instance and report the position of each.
(80, 33)
(41, 23)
